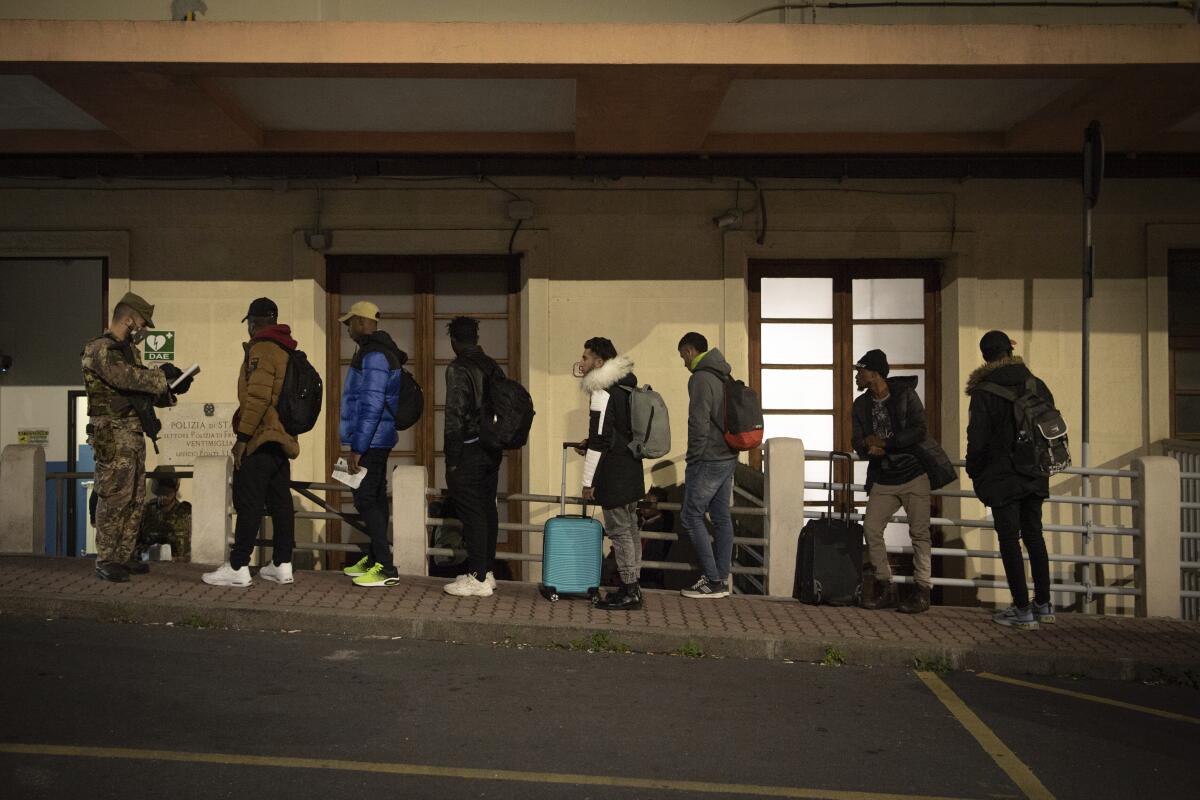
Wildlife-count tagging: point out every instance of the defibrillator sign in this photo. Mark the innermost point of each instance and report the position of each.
(159, 346)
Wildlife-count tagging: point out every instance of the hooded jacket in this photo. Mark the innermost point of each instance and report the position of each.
(371, 395)
(465, 379)
(899, 463)
(611, 468)
(706, 409)
(992, 432)
(259, 384)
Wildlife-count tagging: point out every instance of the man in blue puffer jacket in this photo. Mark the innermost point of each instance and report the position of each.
(370, 397)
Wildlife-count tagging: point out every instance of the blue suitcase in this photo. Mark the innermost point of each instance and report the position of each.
(572, 547)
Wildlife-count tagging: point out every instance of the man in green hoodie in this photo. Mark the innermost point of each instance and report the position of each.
(708, 478)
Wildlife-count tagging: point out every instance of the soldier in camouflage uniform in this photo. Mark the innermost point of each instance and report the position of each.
(121, 396)
(167, 520)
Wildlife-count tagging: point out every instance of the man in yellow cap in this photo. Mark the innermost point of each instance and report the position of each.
(122, 394)
(371, 397)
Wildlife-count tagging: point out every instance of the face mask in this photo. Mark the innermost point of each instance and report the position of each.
(139, 335)
(577, 370)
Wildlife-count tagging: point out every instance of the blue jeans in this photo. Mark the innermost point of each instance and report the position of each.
(708, 486)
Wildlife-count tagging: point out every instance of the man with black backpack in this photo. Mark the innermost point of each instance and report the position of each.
(262, 455)
(612, 474)
(371, 399)
(472, 465)
(1006, 475)
(708, 477)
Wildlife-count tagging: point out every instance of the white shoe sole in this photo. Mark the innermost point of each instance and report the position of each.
(458, 590)
(703, 595)
(276, 580)
(222, 582)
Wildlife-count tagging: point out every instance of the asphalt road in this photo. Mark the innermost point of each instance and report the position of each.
(308, 716)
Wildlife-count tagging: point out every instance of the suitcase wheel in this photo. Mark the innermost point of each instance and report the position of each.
(594, 595)
(548, 592)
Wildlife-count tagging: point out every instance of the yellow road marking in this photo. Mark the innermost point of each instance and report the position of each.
(1094, 698)
(1006, 759)
(428, 770)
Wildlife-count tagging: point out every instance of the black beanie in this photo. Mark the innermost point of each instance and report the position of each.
(995, 344)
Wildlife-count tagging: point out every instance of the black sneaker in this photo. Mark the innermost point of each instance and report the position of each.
(137, 567)
(112, 571)
(704, 589)
(627, 598)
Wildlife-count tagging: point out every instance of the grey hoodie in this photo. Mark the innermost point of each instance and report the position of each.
(706, 410)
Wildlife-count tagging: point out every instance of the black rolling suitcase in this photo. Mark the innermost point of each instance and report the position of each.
(830, 552)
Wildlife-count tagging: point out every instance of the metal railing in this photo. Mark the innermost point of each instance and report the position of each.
(737, 569)
(1187, 453)
(1086, 587)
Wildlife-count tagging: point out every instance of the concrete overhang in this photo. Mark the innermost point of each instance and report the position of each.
(441, 88)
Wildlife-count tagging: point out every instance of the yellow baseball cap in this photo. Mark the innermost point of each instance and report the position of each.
(363, 308)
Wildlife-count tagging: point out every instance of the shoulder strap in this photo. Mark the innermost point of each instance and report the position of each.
(998, 390)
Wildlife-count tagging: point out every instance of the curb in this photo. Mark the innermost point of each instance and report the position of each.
(855, 652)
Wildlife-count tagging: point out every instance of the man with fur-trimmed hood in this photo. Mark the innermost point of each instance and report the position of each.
(612, 474)
(1015, 498)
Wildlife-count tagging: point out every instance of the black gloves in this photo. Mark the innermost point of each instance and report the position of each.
(173, 372)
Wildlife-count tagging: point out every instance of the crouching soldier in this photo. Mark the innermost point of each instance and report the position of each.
(122, 394)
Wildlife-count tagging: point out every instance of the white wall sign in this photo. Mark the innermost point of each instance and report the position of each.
(191, 430)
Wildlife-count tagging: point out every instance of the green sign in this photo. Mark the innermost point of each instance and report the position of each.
(159, 346)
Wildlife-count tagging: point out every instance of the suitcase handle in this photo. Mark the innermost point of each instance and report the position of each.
(833, 457)
(562, 498)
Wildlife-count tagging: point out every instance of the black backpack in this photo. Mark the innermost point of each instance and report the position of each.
(1041, 447)
(300, 398)
(411, 403)
(505, 415)
(742, 414)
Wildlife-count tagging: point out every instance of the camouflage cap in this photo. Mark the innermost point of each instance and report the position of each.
(139, 304)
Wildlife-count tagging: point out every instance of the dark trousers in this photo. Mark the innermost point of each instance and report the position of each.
(473, 487)
(371, 502)
(1020, 521)
(262, 484)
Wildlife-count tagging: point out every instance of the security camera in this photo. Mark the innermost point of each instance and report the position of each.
(727, 220)
(5, 363)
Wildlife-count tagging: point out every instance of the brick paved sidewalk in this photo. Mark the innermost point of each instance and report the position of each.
(752, 627)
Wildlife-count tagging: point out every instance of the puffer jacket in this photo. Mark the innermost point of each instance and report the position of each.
(465, 380)
(371, 394)
(611, 468)
(259, 384)
(992, 432)
(908, 430)
(706, 410)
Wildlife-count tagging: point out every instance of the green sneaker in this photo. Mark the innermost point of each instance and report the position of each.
(359, 568)
(378, 575)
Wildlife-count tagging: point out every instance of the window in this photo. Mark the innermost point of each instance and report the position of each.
(810, 322)
(1183, 290)
(417, 296)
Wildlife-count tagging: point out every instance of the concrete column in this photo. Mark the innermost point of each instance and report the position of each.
(23, 499)
(1157, 491)
(211, 502)
(785, 508)
(409, 534)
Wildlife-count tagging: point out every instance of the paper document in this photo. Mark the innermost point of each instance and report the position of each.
(194, 369)
(342, 475)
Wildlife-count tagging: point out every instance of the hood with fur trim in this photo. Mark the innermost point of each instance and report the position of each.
(606, 375)
(1006, 371)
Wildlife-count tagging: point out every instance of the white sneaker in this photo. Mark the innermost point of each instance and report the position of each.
(490, 580)
(466, 586)
(278, 574)
(226, 575)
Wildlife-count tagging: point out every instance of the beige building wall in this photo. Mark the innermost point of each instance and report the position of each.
(640, 261)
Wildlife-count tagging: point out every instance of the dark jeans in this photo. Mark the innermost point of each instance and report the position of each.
(371, 501)
(708, 486)
(262, 484)
(473, 486)
(1017, 521)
